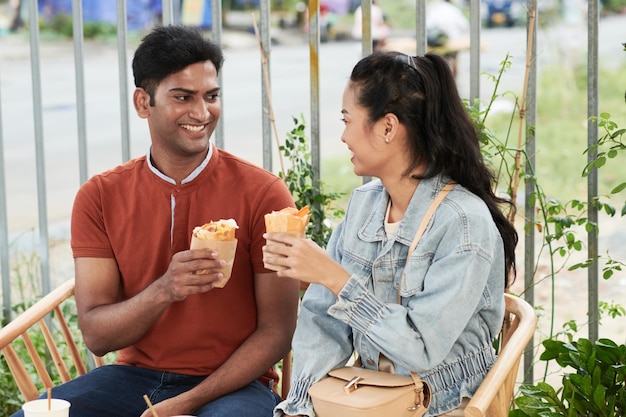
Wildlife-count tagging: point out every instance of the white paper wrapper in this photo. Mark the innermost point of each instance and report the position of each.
(225, 249)
(277, 267)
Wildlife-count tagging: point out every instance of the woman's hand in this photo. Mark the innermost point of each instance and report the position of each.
(303, 260)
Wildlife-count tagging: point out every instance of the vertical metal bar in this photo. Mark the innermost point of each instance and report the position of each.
(366, 27)
(79, 64)
(122, 34)
(266, 89)
(216, 31)
(366, 41)
(4, 235)
(474, 51)
(314, 43)
(168, 12)
(33, 17)
(592, 180)
(420, 25)
(529, 209)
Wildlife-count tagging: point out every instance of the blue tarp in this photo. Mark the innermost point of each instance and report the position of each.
(140, 13)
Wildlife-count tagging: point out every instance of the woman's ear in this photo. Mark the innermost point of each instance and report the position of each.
(391, 126)
(141, 101)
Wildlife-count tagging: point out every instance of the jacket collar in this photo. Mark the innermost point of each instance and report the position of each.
(373, 227)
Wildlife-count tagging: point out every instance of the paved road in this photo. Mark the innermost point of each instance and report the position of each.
(242, 103)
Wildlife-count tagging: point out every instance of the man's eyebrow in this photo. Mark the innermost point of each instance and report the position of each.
(182, 90)
(187, 91)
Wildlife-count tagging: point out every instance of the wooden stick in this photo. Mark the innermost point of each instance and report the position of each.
(266, 81)
(152, 410)
(49, 391)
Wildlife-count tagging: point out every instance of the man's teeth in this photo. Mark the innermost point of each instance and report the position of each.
(194, 128)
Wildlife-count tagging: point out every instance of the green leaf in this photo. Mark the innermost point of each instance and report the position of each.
(619, 188)
(599, 396)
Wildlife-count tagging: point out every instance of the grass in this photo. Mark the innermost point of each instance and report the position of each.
(561, 130)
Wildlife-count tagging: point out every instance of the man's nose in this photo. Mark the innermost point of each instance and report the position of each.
(200, 111)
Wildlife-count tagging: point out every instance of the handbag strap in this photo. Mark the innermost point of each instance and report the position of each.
(422, 227)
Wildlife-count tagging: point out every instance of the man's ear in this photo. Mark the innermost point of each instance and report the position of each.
(141, 100)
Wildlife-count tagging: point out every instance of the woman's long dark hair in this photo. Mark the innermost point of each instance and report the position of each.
(422, 93)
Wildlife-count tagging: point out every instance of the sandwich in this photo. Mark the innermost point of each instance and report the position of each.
(220, 237)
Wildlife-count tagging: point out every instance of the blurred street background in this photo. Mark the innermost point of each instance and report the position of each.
(562, 57)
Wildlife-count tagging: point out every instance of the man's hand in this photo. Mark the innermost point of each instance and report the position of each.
(182, 278)
(110, 324)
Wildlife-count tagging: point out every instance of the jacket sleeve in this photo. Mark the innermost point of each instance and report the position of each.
(320, 343)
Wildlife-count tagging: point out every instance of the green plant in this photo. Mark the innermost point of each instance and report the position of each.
(595, 388)
(305, 188)
(609, 146)
(62, 24)
(10, 397)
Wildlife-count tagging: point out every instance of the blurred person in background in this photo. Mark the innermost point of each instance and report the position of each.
(380, 28)
(447, 30)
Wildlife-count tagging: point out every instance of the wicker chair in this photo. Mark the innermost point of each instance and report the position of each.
(492, 399)
(70, 360)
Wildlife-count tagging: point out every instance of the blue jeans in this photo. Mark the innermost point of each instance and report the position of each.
(118, 390)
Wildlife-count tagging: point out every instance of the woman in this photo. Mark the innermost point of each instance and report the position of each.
(405, 125)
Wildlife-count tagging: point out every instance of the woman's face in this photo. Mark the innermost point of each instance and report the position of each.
(371, 155)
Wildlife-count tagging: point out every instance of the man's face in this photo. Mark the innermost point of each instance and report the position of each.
(185, 112)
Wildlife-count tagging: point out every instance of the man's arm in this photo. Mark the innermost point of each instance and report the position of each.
(277, 305)
(110, 323)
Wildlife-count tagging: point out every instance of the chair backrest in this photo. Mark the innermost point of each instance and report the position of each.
(495, 395)
(32, 384)
(34, 323)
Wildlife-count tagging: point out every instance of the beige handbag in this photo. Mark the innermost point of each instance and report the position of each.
(359, 392)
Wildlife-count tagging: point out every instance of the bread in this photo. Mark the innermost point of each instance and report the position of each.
(218, 230)
(288, 219)
(218, 236)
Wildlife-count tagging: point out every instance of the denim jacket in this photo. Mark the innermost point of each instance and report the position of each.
(452, 301)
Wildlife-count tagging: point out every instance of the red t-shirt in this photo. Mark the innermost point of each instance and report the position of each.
(131, 214)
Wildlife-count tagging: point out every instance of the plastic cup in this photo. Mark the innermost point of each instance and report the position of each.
(39, 408)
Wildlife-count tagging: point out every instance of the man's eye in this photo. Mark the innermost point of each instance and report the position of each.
(213, 97)
(181, 98)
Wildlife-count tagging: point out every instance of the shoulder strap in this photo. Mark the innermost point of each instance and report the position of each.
(422, 227)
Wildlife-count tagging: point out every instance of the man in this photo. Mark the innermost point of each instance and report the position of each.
(190, 347)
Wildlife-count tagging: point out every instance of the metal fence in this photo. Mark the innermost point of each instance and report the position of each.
(42, 231)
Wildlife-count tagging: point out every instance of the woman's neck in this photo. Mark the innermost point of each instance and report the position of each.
(400, 192)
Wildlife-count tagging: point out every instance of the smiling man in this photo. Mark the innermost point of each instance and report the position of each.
(191, 347)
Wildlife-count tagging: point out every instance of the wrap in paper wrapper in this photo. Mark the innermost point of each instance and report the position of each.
(288, 220)
(218, 236)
